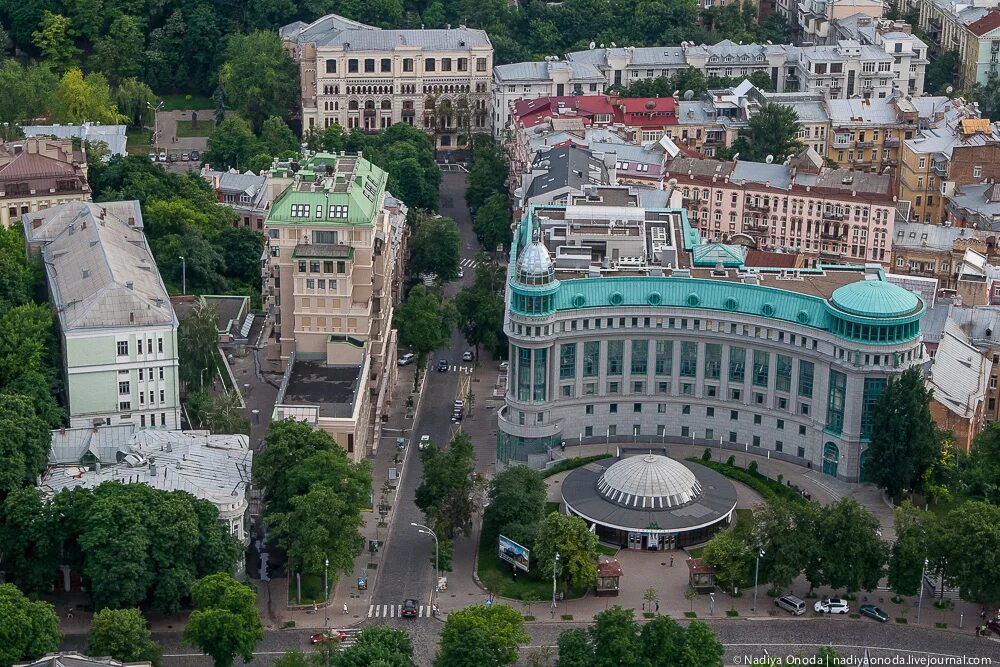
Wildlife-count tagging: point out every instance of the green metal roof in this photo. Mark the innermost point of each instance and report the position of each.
(323, 186)
(711, 254)
(874, 298)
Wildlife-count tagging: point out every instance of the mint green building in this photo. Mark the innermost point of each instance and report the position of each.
(625, 327)
(117, 327)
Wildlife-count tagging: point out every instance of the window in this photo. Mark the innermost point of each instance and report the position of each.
(783, 373)
(737, 362)
(161, 372)
(141, 374)
(612, 387)
(331, 66)
(689, 359)
(139, 346)
(637, 407)
(123, 388)
(613, 408)
(805, 379)
(310, 283)
(341, 267)
(685, 431)
(540, 392)
(337, 212)
(385, 65)
(300, 211)
(123, 348)
(567, 361)
(756, 441)
(835, 402)
(802, 429)
(429, 65)
(685, 409)
(734, 415)
(588, 409)
(640, 356)
(480, 64)
(760, 368)
(709, 412)
(446, 64)
(778, 445)
(124, 405)
(661, 408)
(407, 64)
(591, 358)
(873, 390)
(615, 351)
(162, 396)
(369, 64)
(352, 65)
(713, 361)
(302, 266)
(803, 408)
(463, 65)
(664, 357)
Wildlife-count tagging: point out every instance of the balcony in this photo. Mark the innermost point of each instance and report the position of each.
(834, 215)
(941, 169)
(891, 142)
(830, 236)
(841, 143)
(756, 207)
(866, 144)
(754, 230)
(409, 113)
(509, 427)
(935, 22)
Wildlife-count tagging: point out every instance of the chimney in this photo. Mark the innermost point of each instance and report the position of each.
(131, 318)
(129, 284)
(131, 221)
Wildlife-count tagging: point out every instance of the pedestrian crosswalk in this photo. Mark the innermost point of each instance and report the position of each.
(469, 263)
(395, 611)
(462, 369)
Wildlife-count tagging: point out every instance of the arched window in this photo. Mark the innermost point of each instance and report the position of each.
(386, 105)
(831, 458)
(352, 105)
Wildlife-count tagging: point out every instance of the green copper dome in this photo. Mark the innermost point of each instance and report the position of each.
(874, 298)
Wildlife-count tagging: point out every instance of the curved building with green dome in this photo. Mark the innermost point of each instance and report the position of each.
(625, 327)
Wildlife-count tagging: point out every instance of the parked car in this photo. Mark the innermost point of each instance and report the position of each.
(163, 156)
(442, 365)
(195, 156)
(172, 157)
(407, 359)
(871, 611)
(185, 157)
(328, 636)
(467, 355)
(152, 157)
(504, 365)
(425, 442)
(832, 606)
(461, 272)
(410, 608)
(791, 604)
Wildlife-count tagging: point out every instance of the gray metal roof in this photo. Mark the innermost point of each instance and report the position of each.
(74, 659)
(974, 198)
(778, 175)
(580, 72)
(921, 235)
(568, 166)
(100, 270)
(336, 31)
(958, 372)
(71, 445)
(112, 135)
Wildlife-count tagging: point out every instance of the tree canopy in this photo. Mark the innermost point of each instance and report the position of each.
(435, 247)
(480, 308)
(225, 623)
(28, 629)
(423, 321)
(445, 494)
(122, 634)
(570, 537)
(482, 635)
(259, 77)
(771, 132)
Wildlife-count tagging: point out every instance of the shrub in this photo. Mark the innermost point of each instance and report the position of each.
(752, 467)
(731, 461)
(765, 486)
(690, 614)
(901, 620)
(732, 613)
(570, 464)
(567, 617)
(707, 455)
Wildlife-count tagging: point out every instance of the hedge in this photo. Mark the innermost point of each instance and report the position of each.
(768, 488)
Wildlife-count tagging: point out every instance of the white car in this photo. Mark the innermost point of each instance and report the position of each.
(832, 606)
(467, 356)
(425, 442)
(504, 365)
(407, 359)
(461, 272)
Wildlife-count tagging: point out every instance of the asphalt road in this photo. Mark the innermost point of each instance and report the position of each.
(407, 570)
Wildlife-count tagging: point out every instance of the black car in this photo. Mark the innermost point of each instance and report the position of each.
(409, 609)
(871, 611)
(195, 156)
(442, 365)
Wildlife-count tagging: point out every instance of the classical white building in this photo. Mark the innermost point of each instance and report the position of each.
(531, 80)
(360, 76)
(118, 330)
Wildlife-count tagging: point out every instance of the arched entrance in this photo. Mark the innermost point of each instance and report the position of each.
(831, 457)
(864, 475)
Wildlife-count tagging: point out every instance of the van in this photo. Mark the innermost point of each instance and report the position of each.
(791, 604)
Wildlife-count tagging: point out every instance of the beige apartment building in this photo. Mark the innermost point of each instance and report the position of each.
(333, 249)
(39, 173)
(360, 76)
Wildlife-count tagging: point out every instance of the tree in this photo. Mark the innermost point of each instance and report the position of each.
(615, 637)
(28, 629)
(259, 77)
(732, 555)
(226, 414)
(219, 97)
(80, 99)
(487, 173)
(29, 94)
(435, 247)
(576, 546)
(383, 646)
(30, 554)
(134, 100)
(493, 222)
(225, 622)
(979, 472)
(784, 532)
(970, 536)
(848, 551)
(942, 73)
(662, 642)
(904, 440)
(241, 250)
(232, 144)
(911, 548)
(122, 634)
(53, 40)
(516, 497)
(480, 309)
(771, 132)
(120, 53)
(445, 494)
(575, 649)
(24, 443)
(277, 137)
(701, 647)
(827, 657)
(424, 322)
(197, 345)
(483, 635)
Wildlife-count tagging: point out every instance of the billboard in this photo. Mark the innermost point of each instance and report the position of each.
(514, 553)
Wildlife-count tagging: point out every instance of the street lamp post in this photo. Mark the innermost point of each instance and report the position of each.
(555, 568)
(326, 593)
(920, 600)
(156, 125)
(756, 572)
(437, 572)
(201, 377)
(184, 280)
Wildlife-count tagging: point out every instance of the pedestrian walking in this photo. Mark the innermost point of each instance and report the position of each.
(657, 606)
(671, 561)
(345, 609)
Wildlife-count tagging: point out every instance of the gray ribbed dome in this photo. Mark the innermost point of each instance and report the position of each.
(534, 266)
(649, 481)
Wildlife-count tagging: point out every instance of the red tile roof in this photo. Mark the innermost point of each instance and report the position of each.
(985, 25)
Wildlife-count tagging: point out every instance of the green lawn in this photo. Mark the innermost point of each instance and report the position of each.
(606, 550)
(205, 127)
(696, 552)
(139, 141)
(528, 583)
(312, 589)
(187, 102)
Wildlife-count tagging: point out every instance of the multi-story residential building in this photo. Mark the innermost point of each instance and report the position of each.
(866, 134)
(813, 115)
(328, 293)
(828, 215)
(558, 173)
(936, 251)
(530, 80)
(958, 376)
(248, 194)
(981, 51)
(981, 325)
(359, 76)
(112, 136)
(958, 151)
(945, 22)
(813, 17)
(117, 327)
(38, 173)
(625, 326)
(976, 206)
